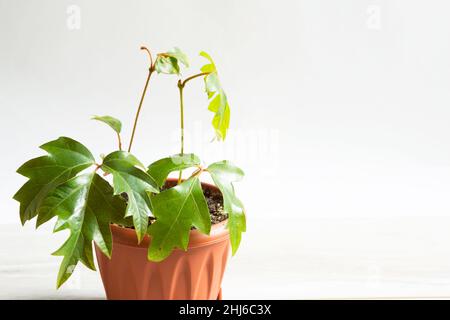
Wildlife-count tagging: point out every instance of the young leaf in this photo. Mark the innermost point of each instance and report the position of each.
(180, 56)
(129, 177)
(114, 123)
(160, 169)
(209, 67)
(169, 62)
(66, 158)
(84, 205)
(224, 174)
(176, 211)
(218, 102)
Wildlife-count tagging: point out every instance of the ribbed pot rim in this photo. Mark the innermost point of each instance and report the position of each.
(219, 232)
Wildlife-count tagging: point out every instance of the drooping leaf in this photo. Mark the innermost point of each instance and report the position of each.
(114, 123)
(224, 174)
(177, 210)
(66, 158)
(180, 56)
(169, 62)
(218, 102)
(221, 120)
(84, 205)
(129, 177)
(160, 169)
(211, 66)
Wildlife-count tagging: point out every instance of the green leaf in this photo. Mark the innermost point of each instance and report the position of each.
(161, 169)
(218, 102)
(114, 123)
(129, 177)
(66, 158)
(224, 174)
(210, 67)
(169, 62)
(118, 215)
(177, 210)
(180, 56)
(84, 205)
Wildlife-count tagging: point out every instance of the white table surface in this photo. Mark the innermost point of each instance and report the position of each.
(309, 258)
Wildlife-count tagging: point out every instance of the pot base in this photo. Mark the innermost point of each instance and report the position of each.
(195, 274)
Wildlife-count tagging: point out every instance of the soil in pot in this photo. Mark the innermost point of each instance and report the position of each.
(215, 204)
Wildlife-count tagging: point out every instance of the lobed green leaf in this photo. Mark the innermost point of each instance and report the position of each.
(177, 210)
(66, 158)
(129, 177)
(180, 56)
(161, 169)
(84, 205)
(218, 102)
(224, 173)
(169, 62)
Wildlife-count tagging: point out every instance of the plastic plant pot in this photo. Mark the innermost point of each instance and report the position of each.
(195, 274)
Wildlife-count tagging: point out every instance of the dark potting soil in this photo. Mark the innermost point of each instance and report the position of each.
(215, 205)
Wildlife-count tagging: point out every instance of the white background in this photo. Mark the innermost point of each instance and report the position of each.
(340, 113)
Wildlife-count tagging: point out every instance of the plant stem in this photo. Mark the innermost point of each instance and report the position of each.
(193, 77)
(198, 172)
(120, 141)
(180, 88)
(150, 71)
(181, 84)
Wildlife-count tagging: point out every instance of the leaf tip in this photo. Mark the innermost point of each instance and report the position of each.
(139, 236)
(151, 256)
(235, 247)
(60, 281)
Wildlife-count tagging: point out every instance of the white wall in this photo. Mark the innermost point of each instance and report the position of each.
(339, 108)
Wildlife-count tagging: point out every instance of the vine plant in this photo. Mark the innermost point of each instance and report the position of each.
(66, 184)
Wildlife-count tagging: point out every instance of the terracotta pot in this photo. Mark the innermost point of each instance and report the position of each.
(194, 274)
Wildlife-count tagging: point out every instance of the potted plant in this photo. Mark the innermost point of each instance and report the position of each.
(155, 237)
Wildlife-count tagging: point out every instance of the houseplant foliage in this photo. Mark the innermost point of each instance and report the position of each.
(86, 196)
